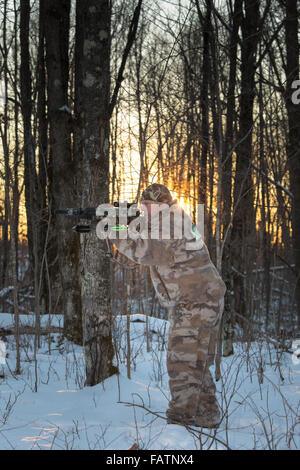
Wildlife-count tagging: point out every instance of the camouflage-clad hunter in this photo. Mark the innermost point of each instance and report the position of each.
(189, 285)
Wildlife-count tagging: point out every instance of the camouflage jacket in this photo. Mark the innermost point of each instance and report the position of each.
(180, 266)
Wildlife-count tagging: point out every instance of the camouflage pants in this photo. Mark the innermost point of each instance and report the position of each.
(191, 350)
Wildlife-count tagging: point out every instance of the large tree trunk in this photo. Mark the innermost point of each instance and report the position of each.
(243, 230)
(30, 176)
(42, 154)
(227, 181)
(202, 199)
(92, 137)
(63, 166)
(4, 139)
(293, 144)
(33, 208)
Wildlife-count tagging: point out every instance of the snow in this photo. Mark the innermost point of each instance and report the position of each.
(262, 410)
(7, 320)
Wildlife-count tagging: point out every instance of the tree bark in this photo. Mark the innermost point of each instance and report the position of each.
(202, 199)
(293, 144)
(42, 153)
(63, 166)
(93, 32)
(243, 229)
(30, 176)
(33, 211)
(227, 181)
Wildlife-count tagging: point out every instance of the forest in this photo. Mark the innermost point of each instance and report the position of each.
(100, 99)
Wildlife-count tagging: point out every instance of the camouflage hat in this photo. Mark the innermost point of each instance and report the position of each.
(157, 193)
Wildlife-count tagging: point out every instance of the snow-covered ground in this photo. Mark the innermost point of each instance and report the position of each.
(261, 409)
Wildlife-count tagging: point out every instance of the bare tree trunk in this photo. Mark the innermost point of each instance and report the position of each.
(243, 228)
(30, 176)
(293, 144)
(14, 224)
(12, 195)
(217, 131)
(63, 166)
(204, 103)
(93, 98)
(128, 312)
(33, 209)
(93, 112)
(42, 153)
(265, 238)
(147, 306)
(4, 139)
(228, 318)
